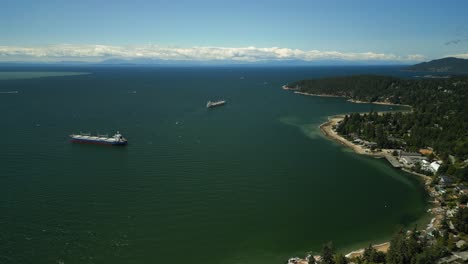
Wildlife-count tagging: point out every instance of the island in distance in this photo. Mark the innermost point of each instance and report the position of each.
(444, 65)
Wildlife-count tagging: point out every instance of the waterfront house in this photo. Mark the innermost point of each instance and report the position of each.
(370, 144)
(434, 166)
(358, 141)
(461, 189)
(426, 151)
(425, 165)
(460, 243)
(407, 161)
(410, 154)
(445, 180)
(411, 160)
(452, 212)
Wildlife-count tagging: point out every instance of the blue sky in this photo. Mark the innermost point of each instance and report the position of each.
(239, 30)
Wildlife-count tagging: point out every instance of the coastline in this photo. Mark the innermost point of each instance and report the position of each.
(319, 95)
(327, 130)
(296, 91)
(377, 103)
(383, 247)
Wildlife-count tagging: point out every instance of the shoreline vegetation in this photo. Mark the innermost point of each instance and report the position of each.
(296, 91)
(327, 130)
(350, 130)
(383, 247)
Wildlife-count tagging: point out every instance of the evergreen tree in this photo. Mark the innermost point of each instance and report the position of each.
(328, 251)
(369, 253)
(340, 259)
(397, 253)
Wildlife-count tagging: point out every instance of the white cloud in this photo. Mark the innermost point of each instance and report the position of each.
(245, 54)
(461, 56)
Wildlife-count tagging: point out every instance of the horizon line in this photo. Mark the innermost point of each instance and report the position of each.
(251, 54)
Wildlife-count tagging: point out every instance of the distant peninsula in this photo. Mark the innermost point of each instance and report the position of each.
(444, 65)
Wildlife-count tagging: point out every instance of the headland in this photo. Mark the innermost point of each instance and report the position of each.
(381, 135)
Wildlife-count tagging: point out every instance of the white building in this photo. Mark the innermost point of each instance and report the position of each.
(425, 165)
(406, 160)
(434, 166)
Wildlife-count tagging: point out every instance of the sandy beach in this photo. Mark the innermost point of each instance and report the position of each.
(327, 130)
(380, 247)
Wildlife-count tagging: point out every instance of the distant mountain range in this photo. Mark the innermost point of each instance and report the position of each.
(445, 65)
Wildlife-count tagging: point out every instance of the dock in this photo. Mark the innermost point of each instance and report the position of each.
(395, 163)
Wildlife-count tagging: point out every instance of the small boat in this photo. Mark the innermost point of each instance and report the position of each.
(215, 103)
(115, 140)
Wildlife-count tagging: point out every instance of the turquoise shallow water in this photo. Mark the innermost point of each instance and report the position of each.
(250, 182)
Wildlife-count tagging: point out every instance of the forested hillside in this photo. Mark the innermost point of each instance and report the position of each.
(438, 120)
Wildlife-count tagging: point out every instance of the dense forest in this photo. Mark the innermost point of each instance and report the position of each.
(438, 118)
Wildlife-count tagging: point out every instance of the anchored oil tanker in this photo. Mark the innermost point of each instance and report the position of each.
(115, 140)
(214, 104)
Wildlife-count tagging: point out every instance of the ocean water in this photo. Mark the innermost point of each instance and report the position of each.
(253, 181)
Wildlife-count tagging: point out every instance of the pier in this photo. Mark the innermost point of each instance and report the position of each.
(395, 163)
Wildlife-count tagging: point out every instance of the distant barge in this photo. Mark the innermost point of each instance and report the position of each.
(115, 140)
(214, 104)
